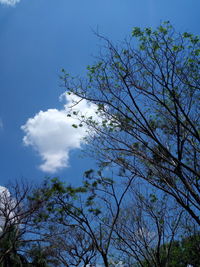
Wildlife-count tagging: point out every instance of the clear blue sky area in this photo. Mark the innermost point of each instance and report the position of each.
(40, 37)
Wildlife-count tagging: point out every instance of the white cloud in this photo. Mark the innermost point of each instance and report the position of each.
(9, 2)
(51, 133)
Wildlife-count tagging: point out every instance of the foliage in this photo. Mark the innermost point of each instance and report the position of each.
(9, 245)
(184, 252)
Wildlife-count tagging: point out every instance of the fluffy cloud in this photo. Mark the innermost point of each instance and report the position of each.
(51, 133)
(9, 2)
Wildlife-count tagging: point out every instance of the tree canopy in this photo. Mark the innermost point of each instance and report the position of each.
(147, 92)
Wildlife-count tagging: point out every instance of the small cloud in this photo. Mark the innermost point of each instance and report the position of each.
(9, 2)
(51, 134)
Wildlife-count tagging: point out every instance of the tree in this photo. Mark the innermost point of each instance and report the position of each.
(9, 246)
(40, 256)
(187, 251)
(115, 221)
(184, 252)
(11, 216)
(90, 212)
(109, 220)
(146, 224)
(17, 228)
(72, 246)
(82, 219)
(147, 101)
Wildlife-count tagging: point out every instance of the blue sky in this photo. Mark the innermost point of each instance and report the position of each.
(37, 39)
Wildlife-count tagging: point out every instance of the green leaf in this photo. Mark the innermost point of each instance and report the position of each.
(137, 32)
(74, 126)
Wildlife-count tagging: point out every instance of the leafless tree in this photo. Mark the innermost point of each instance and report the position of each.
(147, 228)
